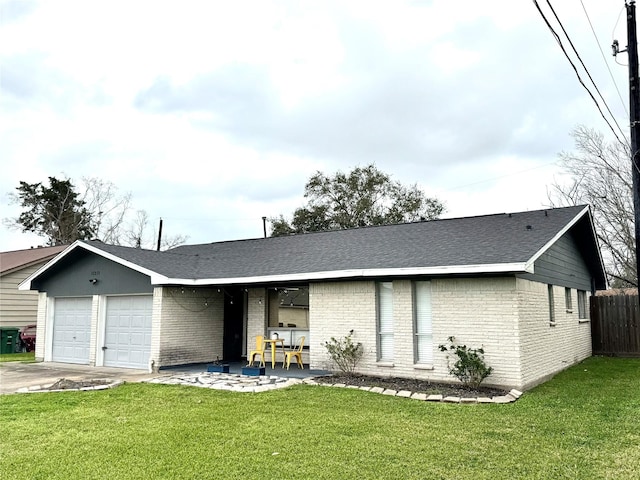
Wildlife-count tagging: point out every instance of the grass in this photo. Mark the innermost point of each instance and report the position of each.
(18, 357)
(582, 424)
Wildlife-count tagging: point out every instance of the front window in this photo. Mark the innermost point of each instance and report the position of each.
(385, 321)
(423, 324)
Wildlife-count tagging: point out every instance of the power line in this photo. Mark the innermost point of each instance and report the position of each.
(575, 69)
(502, 176)
(585, 67)
(624, 105)
(613, 35)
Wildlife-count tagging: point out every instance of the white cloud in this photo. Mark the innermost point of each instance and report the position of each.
(215, 114)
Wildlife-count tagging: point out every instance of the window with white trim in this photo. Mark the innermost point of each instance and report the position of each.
(385, 321)
(582, 304)
(423, 325)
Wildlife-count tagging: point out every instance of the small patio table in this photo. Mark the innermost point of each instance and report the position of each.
(274, 342)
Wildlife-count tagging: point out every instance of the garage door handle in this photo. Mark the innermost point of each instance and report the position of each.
(104, 348)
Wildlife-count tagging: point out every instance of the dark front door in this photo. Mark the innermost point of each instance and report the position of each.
(233, 322)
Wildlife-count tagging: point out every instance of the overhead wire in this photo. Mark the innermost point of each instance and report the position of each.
(499, 177)
(575, 69)
(624, 105)
(586, 70)
(585, 67)
(613, 34)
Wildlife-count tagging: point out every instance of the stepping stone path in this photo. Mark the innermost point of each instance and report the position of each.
(228, 381)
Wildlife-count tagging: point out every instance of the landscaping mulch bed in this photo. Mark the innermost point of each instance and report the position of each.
(413, 385)
(66, 384)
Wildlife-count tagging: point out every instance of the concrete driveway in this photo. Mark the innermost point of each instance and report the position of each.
(16, 375)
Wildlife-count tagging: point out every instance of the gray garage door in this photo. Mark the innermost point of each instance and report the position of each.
(128, 331)
(71, 330)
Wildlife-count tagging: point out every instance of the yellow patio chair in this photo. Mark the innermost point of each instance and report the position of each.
(258, 351)
(297, 353)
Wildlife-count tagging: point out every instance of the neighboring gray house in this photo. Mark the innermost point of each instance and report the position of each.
(18, 308)
(516, 284)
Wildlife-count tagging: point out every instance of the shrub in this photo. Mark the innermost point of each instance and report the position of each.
(470, 367)
(344, 353)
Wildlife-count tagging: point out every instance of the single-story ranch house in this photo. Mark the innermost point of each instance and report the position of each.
(516, 284)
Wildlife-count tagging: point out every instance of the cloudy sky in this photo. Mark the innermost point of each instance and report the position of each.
(215, 113)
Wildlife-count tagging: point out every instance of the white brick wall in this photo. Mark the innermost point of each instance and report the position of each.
(337, 308)
(256, 315)
(506, 316)
(95, 312)
(547, 349)
(41, 329)
(187, 327)
(478, 312)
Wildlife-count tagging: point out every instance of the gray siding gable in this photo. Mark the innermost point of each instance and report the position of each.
(563, 265)
(71, 277)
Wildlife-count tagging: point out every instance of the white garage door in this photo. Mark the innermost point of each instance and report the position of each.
(71, 330)
(128, 331)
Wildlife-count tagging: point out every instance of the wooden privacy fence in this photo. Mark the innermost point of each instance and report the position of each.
(615, 325)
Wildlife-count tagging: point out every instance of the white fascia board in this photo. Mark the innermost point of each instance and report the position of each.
(125, 263)
(548, 245)
(359, 273)
(26, 284)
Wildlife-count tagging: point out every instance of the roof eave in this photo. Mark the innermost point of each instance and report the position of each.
(27, 265)
(518, 267)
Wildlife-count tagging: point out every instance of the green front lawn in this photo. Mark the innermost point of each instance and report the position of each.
(18, 357)
(585, 423)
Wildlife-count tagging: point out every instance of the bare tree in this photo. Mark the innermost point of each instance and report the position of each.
(108, 209)
(135, 234)
(600, 175)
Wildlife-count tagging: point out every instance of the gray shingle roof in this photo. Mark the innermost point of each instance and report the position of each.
(472, 241)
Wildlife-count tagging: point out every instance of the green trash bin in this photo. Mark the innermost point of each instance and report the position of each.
(9, 339)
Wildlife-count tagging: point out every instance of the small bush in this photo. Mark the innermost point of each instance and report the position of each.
(344, 353)
(470, 367)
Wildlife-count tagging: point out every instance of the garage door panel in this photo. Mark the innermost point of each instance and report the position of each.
(71, 330)
(138, 322)
(128, 331)
(137, 338)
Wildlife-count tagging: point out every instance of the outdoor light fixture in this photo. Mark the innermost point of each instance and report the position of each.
(93, 281)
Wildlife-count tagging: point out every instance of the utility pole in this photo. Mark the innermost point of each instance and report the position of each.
(159, 236)
(634, 107)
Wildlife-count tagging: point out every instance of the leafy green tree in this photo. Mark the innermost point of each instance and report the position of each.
(55, 212)
(365, 196)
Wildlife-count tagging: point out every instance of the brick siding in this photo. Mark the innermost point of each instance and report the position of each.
(187, 325)
(506, 316)
(41, 329)
(545, 348)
